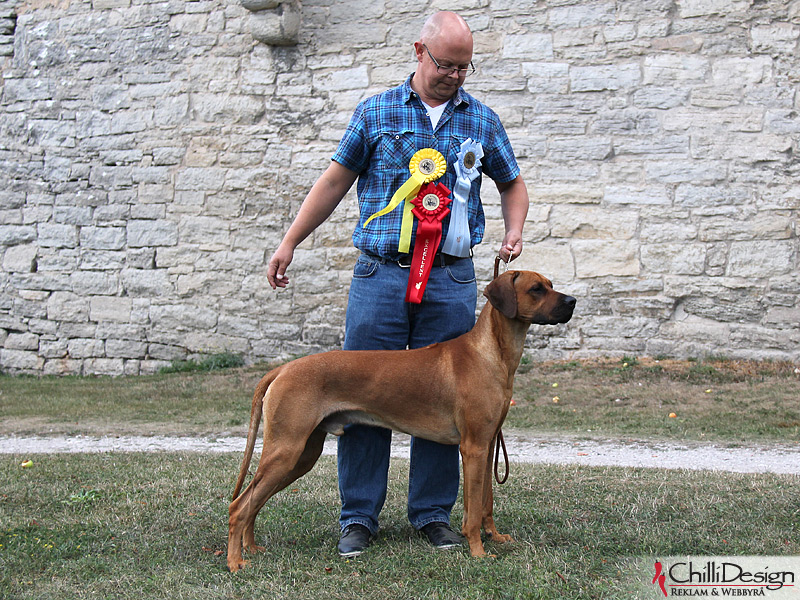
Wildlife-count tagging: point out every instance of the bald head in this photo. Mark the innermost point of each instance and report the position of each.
(445, 41)
(445, 25)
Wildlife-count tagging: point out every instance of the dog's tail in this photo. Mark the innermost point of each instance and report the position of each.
(252, 431)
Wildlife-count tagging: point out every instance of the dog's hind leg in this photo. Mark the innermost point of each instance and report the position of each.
(274, 472)
(307, 460)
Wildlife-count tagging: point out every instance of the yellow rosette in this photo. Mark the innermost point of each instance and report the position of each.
(426, 165)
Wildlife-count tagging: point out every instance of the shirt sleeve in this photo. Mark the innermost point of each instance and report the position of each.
(500, 163)
(353, 151)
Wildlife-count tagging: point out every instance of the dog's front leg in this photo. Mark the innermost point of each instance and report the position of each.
(487, 506)
(473, 459)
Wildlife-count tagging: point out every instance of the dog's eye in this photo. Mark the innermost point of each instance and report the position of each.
(536, 288)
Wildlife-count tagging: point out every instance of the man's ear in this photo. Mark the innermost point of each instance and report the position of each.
(503, 295)
(419, 50)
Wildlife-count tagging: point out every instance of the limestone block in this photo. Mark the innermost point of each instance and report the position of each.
(736, 118)
(227, 108)
(200, 179)
(85, 348)
(179, 317)
(550, 258)
(747, 147)
(110, 308)
(22, 341)
(546, 77)
(676, 259)
(67, 307)
(587, 222)
(528, 46)
(784, 317)
(347, 79)
(165, 352)
(85, 283)
(20, 259)
(53, 349)
(695, 196)
(112, 367)
(63, 366)
(761, 227)
(701, 8)
(677, 68)
(73, 215)
(584, 15)
(56, 235)
(146, 283)
(277, 27)
(775, 38)
(653, 96)
(604, 77)
(761, 259)
(686, 171)
(27, 90)
(151, 233)
(213, 343)
(20, 360)
(602, 258)
(617, 194)
(658, 232)
(208, 233)
(581, 148)
(125, 349)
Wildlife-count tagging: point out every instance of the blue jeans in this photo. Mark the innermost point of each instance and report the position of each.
(378, 318)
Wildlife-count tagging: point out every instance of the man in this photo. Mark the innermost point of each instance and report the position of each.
(385, 136)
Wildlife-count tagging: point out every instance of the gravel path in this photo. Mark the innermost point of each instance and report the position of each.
(522, 447)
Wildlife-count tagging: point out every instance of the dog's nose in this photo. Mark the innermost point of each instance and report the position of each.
(570, 301)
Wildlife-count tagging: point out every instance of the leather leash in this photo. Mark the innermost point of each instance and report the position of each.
(499, 440)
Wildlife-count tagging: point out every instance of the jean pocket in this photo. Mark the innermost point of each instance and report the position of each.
(365, 267)
(462, 271)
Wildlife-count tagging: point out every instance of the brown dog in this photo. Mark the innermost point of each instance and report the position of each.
(455, 392)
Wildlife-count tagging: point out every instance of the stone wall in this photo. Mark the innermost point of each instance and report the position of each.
(152, 153)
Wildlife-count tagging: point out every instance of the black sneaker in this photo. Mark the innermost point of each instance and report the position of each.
(354, 540)
(441, 536)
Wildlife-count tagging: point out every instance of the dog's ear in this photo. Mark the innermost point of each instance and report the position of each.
(503, 295)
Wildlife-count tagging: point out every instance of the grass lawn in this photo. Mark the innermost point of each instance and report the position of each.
(155, 525)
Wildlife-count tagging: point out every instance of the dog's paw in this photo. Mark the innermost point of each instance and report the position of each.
(237, 565)
(254, 549)
(501, 538)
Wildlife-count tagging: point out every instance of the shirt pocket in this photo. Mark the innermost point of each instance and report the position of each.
(396, 149)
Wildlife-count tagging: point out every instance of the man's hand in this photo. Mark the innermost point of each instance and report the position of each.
(511, 247)
(276, 269)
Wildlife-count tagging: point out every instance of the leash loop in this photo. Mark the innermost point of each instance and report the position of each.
(500, 442)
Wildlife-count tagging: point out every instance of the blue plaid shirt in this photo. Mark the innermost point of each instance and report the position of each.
(384, 133)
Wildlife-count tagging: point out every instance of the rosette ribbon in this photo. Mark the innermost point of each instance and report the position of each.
(426, 165)
(457, 242)
(430, 207)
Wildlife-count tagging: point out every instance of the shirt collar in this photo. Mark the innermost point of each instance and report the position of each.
(408, 93)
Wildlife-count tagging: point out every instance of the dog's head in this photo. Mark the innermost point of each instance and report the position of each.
(529, 297)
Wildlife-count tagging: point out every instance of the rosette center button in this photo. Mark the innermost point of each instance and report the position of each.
(427, 166)
(431, 202)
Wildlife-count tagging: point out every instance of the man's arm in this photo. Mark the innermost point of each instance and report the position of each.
(321, 201)
(514, 204)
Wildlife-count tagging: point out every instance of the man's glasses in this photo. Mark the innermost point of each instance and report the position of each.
(442, 70)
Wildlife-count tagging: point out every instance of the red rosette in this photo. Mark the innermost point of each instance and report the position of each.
(430, 207)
